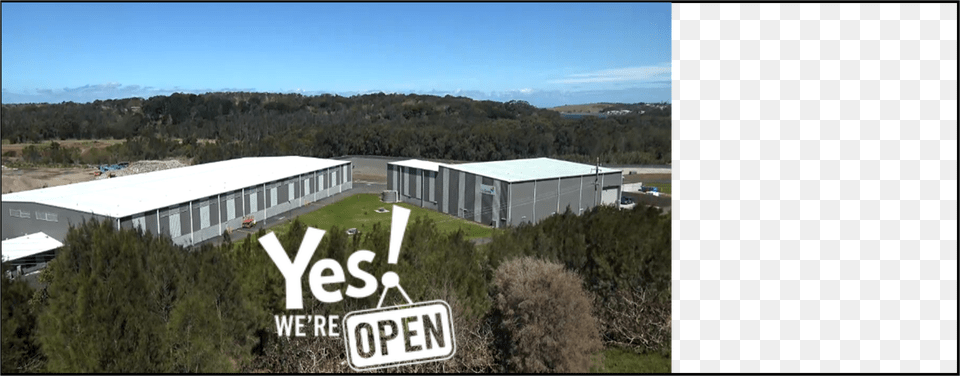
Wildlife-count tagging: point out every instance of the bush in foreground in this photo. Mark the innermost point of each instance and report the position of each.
(20, 350)
(545, 318)
(123, 301)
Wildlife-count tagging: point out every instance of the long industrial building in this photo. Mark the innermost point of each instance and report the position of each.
(505, 193)
(189, 204)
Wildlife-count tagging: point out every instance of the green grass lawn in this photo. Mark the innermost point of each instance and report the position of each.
(663, 187)
(359, 211)
(617, 360)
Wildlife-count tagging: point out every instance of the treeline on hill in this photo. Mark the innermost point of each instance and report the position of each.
(125, 301)
(416, 126)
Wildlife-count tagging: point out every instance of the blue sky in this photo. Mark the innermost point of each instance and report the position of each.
(549, 54)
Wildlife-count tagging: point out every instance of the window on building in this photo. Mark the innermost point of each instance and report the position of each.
(42, 216)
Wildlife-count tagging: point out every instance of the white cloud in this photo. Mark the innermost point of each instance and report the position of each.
(90, 93)
(647, 73)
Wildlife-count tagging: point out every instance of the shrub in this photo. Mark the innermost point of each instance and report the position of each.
(635, 318)
(623, 256)
(130, 302)
(21, 352)
(545, 318)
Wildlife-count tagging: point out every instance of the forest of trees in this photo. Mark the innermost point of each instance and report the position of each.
(126, 301)
(231, 125)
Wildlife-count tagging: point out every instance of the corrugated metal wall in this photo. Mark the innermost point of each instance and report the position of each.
(391, 176)
(211, 217)
(547, 198)
(441, 184)
(454, 188)
(503, 196)
(521, 202)
(199, 220)
(430, 186)
(488, 207)
(409, 183)
(469, 196)
(588, 193)
(152, 223)
(569, 195)
(20, 218)
(493, 202)
(413, 185)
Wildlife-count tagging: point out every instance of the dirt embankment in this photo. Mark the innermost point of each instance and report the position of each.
(25, 179)
(16, 180)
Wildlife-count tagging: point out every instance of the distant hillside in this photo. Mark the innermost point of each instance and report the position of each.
(598, 108)
(591, 108)
(394, 125)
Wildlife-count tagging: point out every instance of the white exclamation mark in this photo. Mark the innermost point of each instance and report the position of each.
(397, 228)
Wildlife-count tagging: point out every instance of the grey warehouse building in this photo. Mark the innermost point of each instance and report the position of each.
(505, 193)
(415, 182)
(189, 204)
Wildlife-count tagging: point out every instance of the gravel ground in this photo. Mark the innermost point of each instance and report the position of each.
(25, 179)
(140, 167)
(17, 180)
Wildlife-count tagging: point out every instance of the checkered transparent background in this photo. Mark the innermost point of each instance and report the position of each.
(815, 187)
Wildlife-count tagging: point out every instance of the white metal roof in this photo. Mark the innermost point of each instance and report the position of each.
(132, 194)
(416, 163)
(28, 245)
(518, 170)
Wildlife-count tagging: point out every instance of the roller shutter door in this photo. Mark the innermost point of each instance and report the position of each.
(231, 209)
(205, 216)
(140, 222)
(609, 196)
(175, 224)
